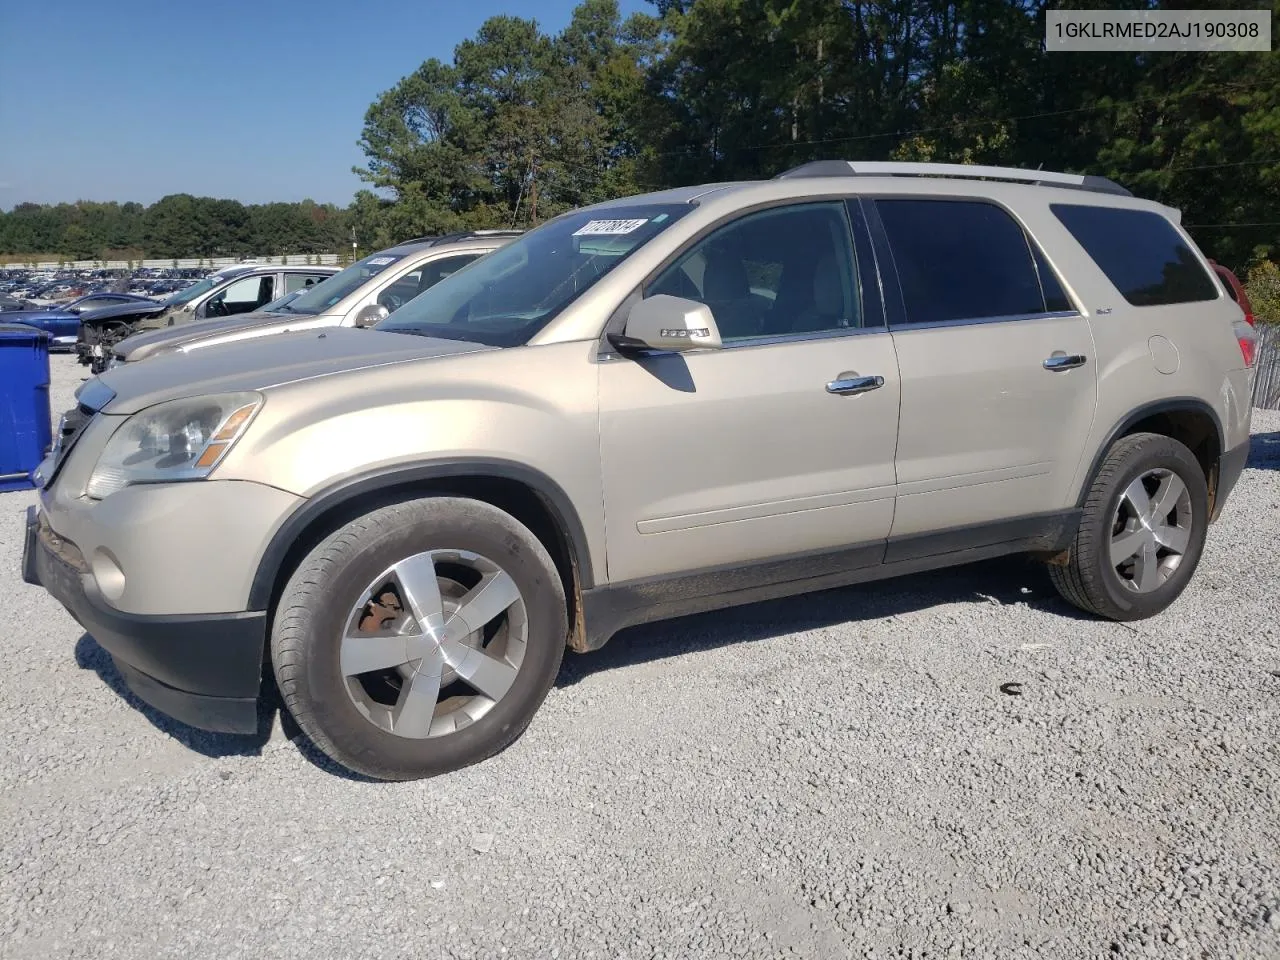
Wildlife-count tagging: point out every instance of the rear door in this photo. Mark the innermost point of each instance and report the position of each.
(999, 377)
(778, 444)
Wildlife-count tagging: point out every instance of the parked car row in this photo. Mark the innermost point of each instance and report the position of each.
(361, 295)
(228, 292)
(437, 473)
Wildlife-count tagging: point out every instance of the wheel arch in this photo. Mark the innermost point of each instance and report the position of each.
(1189, 420)
(530, 496)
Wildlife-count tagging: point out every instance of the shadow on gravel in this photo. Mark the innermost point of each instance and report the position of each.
(1264, 451)
(90, 656)
(1006, 581)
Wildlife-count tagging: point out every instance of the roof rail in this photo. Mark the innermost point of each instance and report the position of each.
(1044, 178)
(461, 235)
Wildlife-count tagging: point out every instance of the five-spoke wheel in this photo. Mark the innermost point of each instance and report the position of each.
(1141, 530)
(420, 637)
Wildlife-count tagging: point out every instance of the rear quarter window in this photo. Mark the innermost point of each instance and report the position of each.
(1141, 253)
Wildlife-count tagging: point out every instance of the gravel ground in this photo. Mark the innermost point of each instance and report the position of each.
(830, 776)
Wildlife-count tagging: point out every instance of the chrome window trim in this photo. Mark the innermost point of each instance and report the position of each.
(748, 342)
(776, 339)
(975, 321)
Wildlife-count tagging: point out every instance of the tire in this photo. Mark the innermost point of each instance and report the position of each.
(320, 603)
(1089, 580)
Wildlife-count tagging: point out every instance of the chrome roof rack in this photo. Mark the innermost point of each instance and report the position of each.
(461, 235)
(1046, 178)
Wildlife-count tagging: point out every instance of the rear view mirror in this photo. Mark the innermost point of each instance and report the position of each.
(371, 314)
(664, 322)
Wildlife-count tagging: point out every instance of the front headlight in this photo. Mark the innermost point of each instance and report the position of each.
(178, 440)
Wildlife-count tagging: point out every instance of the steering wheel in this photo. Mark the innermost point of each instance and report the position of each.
(216, 307)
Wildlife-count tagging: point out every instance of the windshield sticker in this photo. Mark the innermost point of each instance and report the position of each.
(609, 228)
(381, 261)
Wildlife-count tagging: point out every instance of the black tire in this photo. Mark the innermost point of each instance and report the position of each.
(1088, 580)
(315, 604)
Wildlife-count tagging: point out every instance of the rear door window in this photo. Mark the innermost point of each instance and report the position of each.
(965, 260)
(1141, 253)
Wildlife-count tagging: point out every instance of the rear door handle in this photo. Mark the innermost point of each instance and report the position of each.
(850, 385)
(1067, 362)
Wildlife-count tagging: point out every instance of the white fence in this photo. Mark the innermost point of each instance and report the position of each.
(1266, 386)
(293, 259)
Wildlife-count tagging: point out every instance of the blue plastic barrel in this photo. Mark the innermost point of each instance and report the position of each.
(26, 433)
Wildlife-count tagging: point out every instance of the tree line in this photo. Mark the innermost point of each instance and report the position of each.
(521, 124)
(178, 225)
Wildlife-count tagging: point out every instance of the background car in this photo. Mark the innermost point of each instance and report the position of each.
(62, 323)
(365, 292)
(1235, 288)
(225, 293)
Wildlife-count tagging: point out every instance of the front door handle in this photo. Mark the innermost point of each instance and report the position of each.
(849, 385)
(1066, 361)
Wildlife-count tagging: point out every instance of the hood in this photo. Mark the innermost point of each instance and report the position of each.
(140, 346)
(140, 308)
(28, 316)
(266, 363)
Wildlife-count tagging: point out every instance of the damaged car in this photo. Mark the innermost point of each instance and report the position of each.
(241, 289)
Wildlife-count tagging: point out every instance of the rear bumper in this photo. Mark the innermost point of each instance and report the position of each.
(1230, 466)
(203, 670)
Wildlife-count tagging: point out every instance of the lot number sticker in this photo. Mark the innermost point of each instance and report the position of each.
(609, 228)
(382, 261)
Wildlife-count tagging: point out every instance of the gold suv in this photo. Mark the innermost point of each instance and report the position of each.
(658, 405)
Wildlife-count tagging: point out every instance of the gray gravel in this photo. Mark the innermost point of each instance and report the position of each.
(830, 776)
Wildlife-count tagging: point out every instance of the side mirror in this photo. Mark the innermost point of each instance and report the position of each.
(664, 322)
(371, 314)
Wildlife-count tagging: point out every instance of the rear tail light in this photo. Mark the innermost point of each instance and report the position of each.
(1247, 337)
(1248, 318)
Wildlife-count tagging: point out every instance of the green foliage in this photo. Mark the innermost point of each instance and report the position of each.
(519, 124)
(176, 226)
(1263, 287)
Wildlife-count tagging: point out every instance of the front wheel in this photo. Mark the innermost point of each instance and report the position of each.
(1141, 533)
(420, 638)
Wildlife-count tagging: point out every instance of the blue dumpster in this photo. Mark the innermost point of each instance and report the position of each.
(26, 433)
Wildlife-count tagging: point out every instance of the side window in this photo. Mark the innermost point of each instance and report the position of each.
(776, 272)
(93, 303)
(1140, 252)
(1055, 298)
(302, 281)
(242, 296)
(962, 260)
(437, 270)
(403, 289)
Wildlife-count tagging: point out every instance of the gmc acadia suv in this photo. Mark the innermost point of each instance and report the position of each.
(653, 406)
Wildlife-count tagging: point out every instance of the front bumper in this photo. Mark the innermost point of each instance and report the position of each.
(204, 670)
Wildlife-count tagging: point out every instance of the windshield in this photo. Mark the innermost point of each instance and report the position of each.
(193, 291)
(328, 292)
(505, 298)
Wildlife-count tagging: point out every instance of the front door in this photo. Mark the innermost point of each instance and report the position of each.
(780, 443)
(999, 377)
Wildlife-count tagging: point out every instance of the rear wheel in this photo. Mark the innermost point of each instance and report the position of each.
(420, 638)
(1141, 533)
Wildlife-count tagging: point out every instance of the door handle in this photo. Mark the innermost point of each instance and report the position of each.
(1067, 362)
(851, 385)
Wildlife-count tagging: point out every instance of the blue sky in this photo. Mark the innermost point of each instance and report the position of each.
(256, 101)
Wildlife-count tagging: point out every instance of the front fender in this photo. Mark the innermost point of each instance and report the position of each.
(530, 413)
